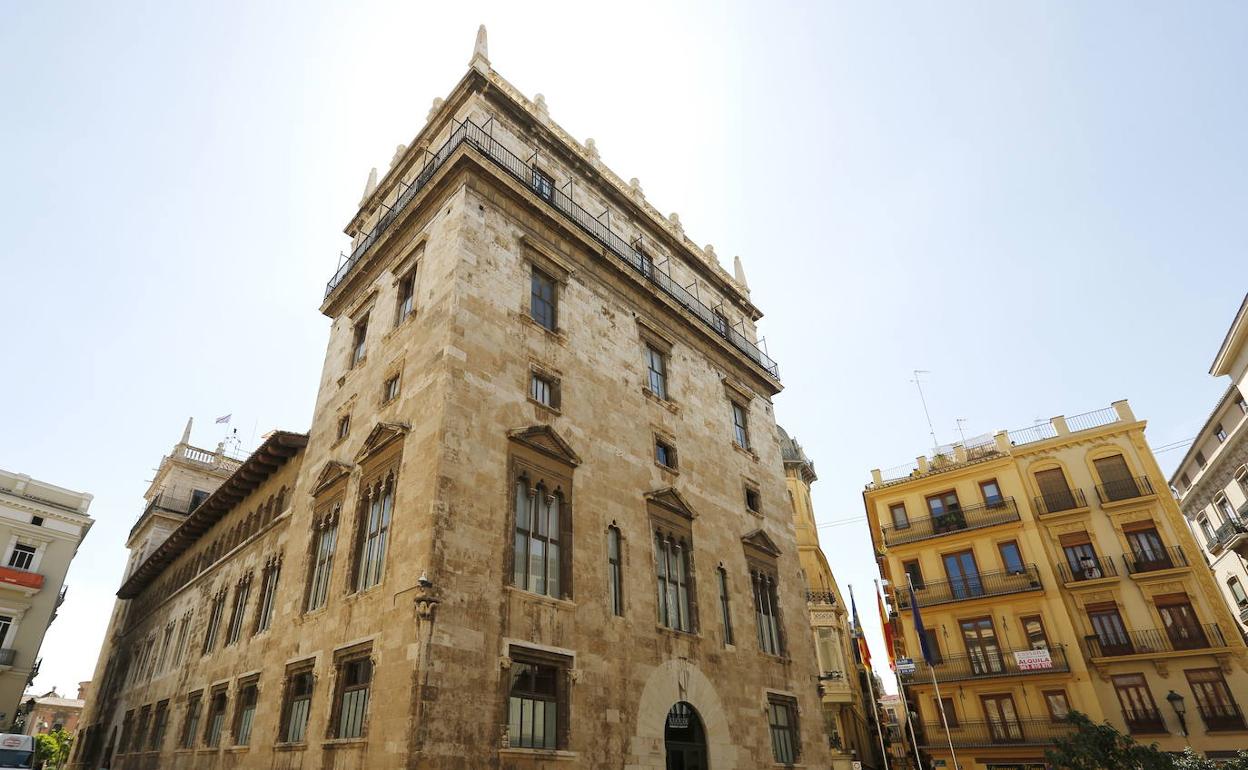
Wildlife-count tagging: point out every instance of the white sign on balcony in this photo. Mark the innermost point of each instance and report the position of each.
(1033, 660)
(905, 666)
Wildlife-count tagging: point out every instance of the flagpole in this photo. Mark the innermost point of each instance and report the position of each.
(901, 690)
(875, 705)
(940, 703)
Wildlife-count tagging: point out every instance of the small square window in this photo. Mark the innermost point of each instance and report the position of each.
(543, 185)
(753, 501)
(344, 426)
(36, 521)
(390, 390)
(664, 454)
(544, 390)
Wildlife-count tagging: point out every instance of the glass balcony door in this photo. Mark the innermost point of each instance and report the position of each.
(963, 573)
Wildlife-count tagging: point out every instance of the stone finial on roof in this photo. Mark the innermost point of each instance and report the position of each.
(437, 105)
(674, 218)
(738, 272)
(370, 185)
(591, 149)
(634, 184)
(186, 432)
(710, 253)
(480, 52)
(539, 104)
(398, 153)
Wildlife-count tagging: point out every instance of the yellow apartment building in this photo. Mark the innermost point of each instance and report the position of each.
(1052, 571)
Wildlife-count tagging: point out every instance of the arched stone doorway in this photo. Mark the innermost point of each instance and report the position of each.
(684, 739)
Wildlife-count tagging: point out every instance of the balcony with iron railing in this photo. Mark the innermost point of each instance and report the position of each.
(1123, 490)
(1231, 535)
(956, 519)
(1021, 732)
(1060, 501)
(1090, 568)
(483, 142)
(1145, 721)
(989, 664)
(1221, 716)
(821, 597)
(1149, 641)
(1142, 562)
(977, 586)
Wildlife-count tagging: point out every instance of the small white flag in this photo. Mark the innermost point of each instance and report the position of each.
(225, 419)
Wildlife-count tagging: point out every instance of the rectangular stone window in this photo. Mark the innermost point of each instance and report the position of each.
(740, 426)
(22, 556)
(245, 709)
(190, 727)
(673, 571)
(753, 499)
(241, 592)
(268, 595)
(664, 454)
(296, 702)
(1237, 592)
(537, 558)
(373, 532)
(615, 571)
(216, 717)
(344, 426)
(543, 185)
(537, 699)
(184, 639)
(159, 726)
(544, 389)
(406, 301)
(656, 370)
(324, 542)
(782, 719)
(543, 303)
(725, 610)
(354, 681)
(390, 390)
(767, 611)
(359, 336)
(214, 621)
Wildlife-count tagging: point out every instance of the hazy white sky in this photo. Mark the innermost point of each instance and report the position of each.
(1041, 203)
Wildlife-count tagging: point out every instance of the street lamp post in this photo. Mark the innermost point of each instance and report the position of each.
(1180, 709)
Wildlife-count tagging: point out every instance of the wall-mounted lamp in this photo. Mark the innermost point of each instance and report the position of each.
(1180, 708)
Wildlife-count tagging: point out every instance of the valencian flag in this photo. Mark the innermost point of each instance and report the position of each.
(863, 650)
(918, 627)
(888, 629)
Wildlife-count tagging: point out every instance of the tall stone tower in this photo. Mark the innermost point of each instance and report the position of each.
(541, 515)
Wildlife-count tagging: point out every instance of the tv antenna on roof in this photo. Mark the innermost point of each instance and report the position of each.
(961, 432)
(918, 383)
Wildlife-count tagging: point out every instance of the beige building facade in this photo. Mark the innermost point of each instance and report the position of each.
(1053, 571)
(848, 719)
(540, 519)
(41, 527)
(1212, 479)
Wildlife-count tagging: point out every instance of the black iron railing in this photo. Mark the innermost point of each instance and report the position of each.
(1146, 721)
(1147, 641)
(1019, 732)
(1221, 716)
(1153, 560)
(820, 597)
(1124, 489)
(480, 139)
(1231, 529)
(972, 587)
(1090, 568)
(987, 664)
(1055, 502)
(956, 519)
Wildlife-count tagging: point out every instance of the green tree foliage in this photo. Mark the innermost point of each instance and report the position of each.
(1101, 747)
(52, 749)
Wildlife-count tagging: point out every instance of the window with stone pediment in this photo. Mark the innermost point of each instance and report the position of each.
(322, 546)
(672, 527)
(376, 510)
(761, 557)
(541, 512)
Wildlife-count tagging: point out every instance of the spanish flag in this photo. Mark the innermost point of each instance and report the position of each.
(864, 651)
(888, 629)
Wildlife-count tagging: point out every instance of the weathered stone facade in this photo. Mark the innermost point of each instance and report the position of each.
(431, 431)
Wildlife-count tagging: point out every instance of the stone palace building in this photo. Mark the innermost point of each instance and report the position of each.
(540, 519)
